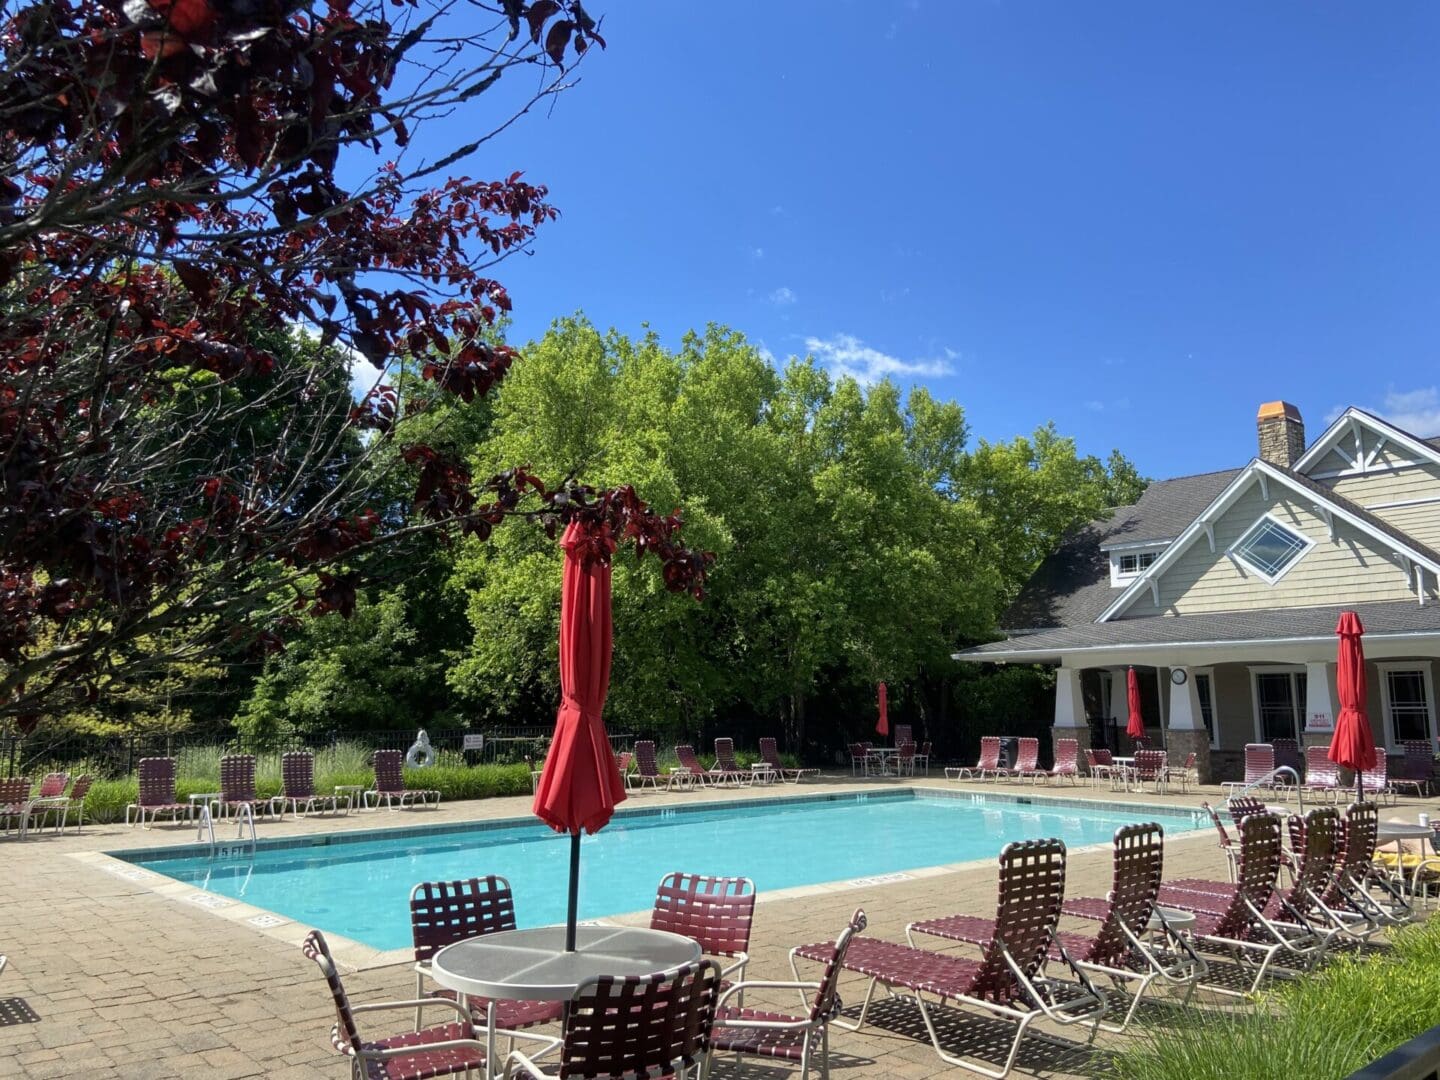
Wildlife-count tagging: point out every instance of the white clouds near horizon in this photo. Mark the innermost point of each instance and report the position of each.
(1416, 411)
(845, 354)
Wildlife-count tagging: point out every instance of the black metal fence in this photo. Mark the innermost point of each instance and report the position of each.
(1418, 1059)
(117, 755)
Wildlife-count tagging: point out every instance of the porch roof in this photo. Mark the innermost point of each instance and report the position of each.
(1389, 620)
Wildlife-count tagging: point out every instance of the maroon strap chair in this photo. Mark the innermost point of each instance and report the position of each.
(237, 784)
(1416, 768)
(157, 792)
(14, 800)
(694, 771)
(637, 1026)
(726, 770)
(1321, 774)
(53, 786)
(770, 754)
(1348, 902)
(390, 784)
(1376, 781)
(297, 780)
(904, 733)
(647, 767)
(1259, 767)
(988, 762)
(75, 803)
(714, 912)
(1150, 766)
(783, 1036)
(1067, 761)
(444, 1050)
(444, 912)
(1027, 759)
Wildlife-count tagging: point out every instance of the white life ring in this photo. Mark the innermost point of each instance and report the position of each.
(422, 754)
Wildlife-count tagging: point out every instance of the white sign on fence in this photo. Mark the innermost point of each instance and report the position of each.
(473, 742)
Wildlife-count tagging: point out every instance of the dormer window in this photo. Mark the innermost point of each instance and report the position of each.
(1271, 548)
(1126, 566)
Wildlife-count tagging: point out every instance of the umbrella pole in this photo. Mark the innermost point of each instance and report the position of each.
(570, 914)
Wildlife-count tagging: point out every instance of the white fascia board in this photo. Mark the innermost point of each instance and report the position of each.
(1040, 655)
(1343, 425)
(1254, 471)
(1138, 545)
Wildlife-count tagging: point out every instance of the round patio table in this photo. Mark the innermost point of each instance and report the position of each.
(1178, 920)
(1391, 831)
(532, 965)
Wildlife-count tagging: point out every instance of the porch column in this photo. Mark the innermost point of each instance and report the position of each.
(1187, 734)
(1319, 707)
(1070, 722)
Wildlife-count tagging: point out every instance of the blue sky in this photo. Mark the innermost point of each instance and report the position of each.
(1138, 220)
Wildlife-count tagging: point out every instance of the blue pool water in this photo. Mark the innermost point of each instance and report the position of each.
(359, 885)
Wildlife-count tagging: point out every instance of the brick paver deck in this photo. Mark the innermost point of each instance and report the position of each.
(110, 978)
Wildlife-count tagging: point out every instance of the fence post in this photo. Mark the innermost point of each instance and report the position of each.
(130, 756)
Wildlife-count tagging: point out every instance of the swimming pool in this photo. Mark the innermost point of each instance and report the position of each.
(358, 883)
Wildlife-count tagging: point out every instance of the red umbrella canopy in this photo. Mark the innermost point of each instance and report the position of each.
(1352, 745)
(1136, 727)
(580, 784)
(882, 726)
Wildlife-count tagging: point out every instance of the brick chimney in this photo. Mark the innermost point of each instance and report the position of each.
(1282, 433)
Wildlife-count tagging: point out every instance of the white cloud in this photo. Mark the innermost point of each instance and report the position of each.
(1114, 405)
(783, 296)
(757, 253)
(845, 354)
(1417, 411)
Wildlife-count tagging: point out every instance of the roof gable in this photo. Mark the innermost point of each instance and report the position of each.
(1327, 504)
(1326, 453)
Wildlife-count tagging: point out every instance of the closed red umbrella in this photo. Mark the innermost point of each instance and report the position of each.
(1352, 746)
(580, 783)
(1136, 727)
(882, 726)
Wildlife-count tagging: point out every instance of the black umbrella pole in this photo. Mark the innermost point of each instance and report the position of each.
(571, 911)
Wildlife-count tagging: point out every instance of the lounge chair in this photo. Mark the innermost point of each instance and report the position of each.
(157, 792)
(781, 1036)
(49, 798)
(922, 757)
(636, 1026)
(714, 912)
(691, 771)
(1100, 765)
(1259, 767)
(623, 761)
(237, 785)
(443, 1050)
(53, 786)
(989, 762)
(726, 770)
(76, 801)
(1123, 949)
(770, 754)
(647, 767)
(1027, 761)
(1321, 774)
(444, 912)
(1067, 763)
(1417, 768)
(390, 784)
(15, 802)
(1287, 756)
(1228, 847)
(297, 787)
(1186, 774)
(1376, 781)
(1006, 981)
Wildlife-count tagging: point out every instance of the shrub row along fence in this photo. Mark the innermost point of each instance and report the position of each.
(113, 756)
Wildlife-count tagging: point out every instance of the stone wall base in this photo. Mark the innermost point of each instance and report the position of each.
(1184, 743)
(1316, 738)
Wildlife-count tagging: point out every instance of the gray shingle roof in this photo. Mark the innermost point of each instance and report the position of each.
(1073, 585)
(1392, 617)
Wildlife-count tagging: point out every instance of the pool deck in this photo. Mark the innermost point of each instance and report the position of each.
(111, 976)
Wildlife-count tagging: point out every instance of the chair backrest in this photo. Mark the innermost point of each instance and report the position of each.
(715, 912)
(725, 755)
(686, 756)
(1150, 763)
(14, 791)
(925, 749)
(1261, 851)
(1190, 760)
(1243, 806)
(237, 778)
(1320, 771)
(1318, 852)
(1357, 848)
(857, 751)
(906, 751)
(646, 1025)
(989, 752)
(1066, 751)
(80, 788)
(1419, 763)
(1375, 779)
(157, 781)
(444, 912)
(623, 760)
(904, 733)
(53, 786)
(389, 771)
(1027, 755)
(1136, 868)
(346, 1036)
(1287, 753)
(645, 761)
(1104, 757)
(1225, 841)
(1032, 888)
(826, 1003)
(1259, 761)
(297, 774)
(1142, 743)
(770, 752)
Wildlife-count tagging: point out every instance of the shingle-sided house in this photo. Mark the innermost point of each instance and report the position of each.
(1223, 591)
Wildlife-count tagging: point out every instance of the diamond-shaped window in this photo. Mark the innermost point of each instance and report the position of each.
(1271, 548)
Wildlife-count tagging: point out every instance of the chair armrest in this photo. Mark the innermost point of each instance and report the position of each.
(407, 1051)
(741, 959)
(765, 984)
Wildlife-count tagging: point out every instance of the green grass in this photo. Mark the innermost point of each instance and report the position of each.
(1326, 1025)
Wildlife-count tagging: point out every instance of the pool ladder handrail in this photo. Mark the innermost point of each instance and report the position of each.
(207, 826)
(1268, 778)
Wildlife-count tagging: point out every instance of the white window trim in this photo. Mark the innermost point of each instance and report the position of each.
(1296, 700)
(1383, 669)
(1234, 550)
(1209, 673)
(1117, 577)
